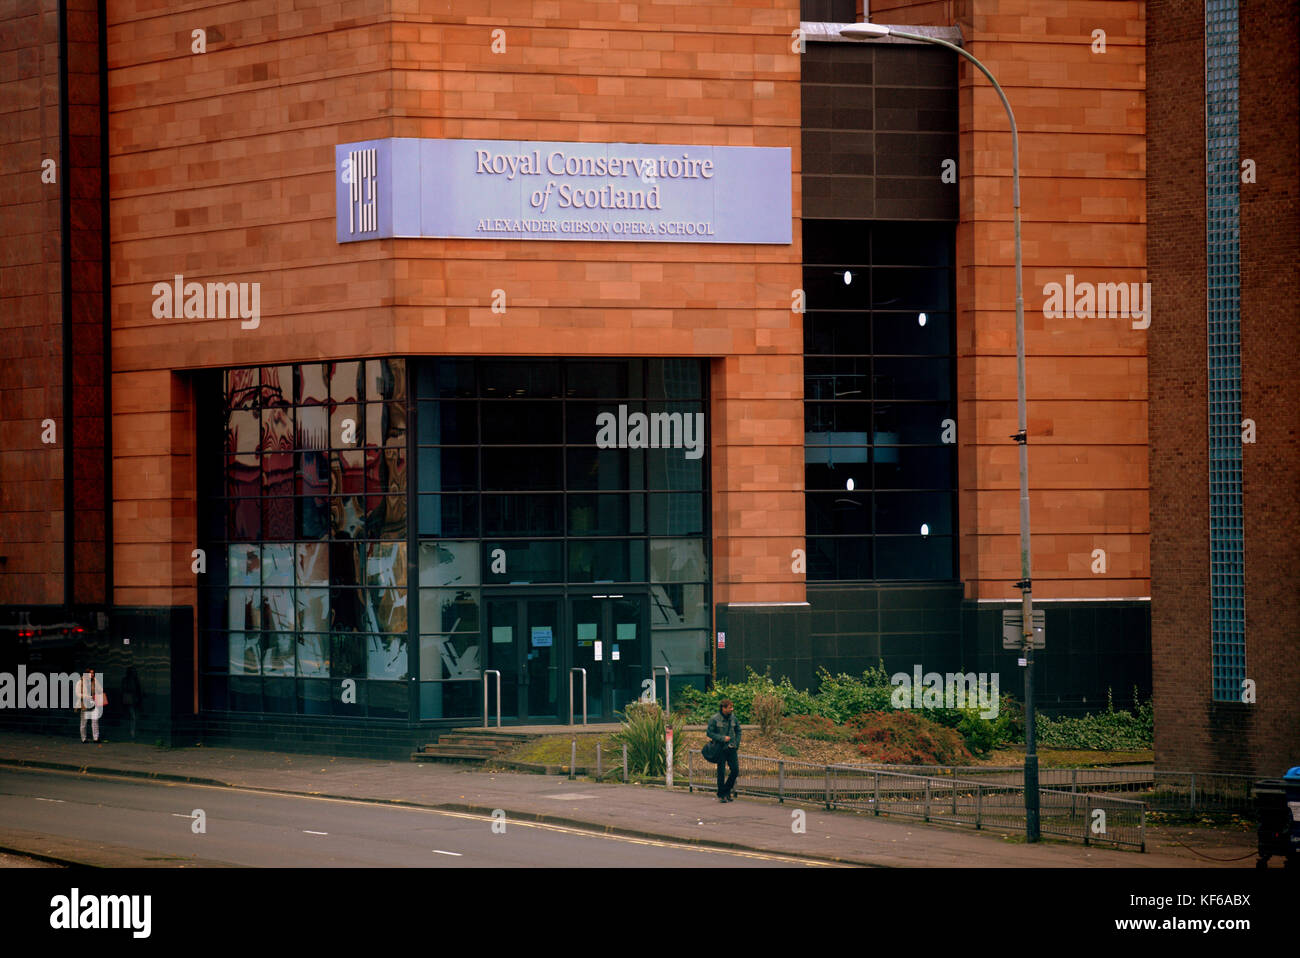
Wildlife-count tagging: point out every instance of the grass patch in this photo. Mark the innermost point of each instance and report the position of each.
(555, 750)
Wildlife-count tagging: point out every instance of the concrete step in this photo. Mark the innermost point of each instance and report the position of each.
(450, 755)
(468, 749)
(513, 738)
(479, 741)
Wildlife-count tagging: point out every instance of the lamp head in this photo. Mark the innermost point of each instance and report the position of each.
(863, 31)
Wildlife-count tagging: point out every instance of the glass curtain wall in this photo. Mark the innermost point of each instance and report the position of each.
(308, 537)
(880, 414)
(304, 603)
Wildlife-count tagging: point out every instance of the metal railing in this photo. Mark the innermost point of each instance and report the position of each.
(486, 673)
(1163, 791)
(946, 800)
(584, 694)
(600, 770)
(654, 670)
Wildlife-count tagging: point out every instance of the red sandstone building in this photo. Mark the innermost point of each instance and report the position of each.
(321, 501)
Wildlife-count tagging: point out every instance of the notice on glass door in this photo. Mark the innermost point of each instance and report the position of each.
(502, 634)
(541, 636)
(586, 633)
(597, 650)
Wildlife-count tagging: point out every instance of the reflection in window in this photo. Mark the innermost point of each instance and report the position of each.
(450, 657)
(678, 560)
(386, 657)
(312, 654)
(449, 610)
(449, 564)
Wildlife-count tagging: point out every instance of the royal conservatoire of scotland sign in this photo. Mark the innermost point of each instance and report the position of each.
(523, 189)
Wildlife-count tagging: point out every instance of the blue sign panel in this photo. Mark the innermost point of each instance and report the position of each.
(524, 189)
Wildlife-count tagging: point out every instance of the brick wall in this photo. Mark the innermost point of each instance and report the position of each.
(31, 496)
(1192, 731)
(32, 378)
(221, 169)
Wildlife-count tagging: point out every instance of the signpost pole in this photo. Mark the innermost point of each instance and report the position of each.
(668, 754)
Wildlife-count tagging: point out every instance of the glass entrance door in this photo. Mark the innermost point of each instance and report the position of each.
(522, 640)
(608, 636)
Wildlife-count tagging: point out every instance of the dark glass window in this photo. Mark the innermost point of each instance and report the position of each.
(523, 562)
(515, 423)
(448, 423)
(879, 413)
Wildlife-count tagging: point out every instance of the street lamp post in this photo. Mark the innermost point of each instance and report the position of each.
(862, 31)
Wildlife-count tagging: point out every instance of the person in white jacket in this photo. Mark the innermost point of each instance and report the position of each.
(90, 699)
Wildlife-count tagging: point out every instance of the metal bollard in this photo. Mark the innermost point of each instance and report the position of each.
(827, 783)
(625, 763)
(598, 761)
(876, 803)
(927, 799)
(780, 781)
(573, 759)
(979, 804)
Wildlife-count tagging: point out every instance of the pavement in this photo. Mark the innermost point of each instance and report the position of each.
(639, 811)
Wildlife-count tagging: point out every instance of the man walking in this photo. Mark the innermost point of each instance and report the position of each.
(725, 730)
(90, 700)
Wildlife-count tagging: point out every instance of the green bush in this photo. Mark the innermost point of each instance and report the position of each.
(979, 733)
(702, 706)
(1111, 730)
(840, 697)
(644, 732)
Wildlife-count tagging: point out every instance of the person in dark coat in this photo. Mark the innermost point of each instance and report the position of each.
(725, 730)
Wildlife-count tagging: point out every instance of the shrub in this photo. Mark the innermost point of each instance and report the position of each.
(841, 696)
(643, 731)
(905, 738)
(979, 733)
(767, 708)
(815, 727)
(1010, 723)
(1110, 730)
(702, 706)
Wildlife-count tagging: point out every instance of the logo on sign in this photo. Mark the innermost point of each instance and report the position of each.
(360, 173)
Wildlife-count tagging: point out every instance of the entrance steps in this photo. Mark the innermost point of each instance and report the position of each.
(483, 744)
(472, 746)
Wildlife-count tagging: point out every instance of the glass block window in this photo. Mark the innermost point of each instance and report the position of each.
(1223, 333)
